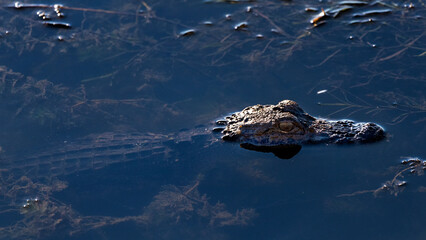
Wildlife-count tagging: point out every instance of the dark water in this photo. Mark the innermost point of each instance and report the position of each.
(126, 68)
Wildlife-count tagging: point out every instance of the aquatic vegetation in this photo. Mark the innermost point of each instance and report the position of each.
(400, 106)
(46, 104)
(173, 205)
(178, 203)
(148, 32)
(396, 185)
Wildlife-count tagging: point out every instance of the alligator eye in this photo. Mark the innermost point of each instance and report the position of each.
(286, 126)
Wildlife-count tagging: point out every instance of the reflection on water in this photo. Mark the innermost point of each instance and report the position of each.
(163, 68)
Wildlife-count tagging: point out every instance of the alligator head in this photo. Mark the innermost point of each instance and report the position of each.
(284, 127)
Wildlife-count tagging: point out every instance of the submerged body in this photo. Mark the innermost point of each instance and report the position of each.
(281, 129)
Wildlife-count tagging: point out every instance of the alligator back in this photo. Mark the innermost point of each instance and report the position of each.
(91, 152)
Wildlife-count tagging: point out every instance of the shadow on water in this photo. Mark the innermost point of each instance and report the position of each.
(283, 152)
(77, 76)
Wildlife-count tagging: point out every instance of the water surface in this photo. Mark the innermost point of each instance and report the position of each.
(127, 67)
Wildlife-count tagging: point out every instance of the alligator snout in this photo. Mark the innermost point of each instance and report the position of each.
(370, 132)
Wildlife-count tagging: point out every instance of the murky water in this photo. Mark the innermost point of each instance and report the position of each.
(160, 68)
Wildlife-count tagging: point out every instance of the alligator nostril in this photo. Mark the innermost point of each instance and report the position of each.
(221, 122)
(218, 129)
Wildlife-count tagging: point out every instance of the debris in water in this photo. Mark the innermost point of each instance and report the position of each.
(57, 7)
(276, 31)
(409, 6)
(57, 24)
(208, 23)
(411, 161)
(187, 33)
(242, 26)
(353, 2)
(318, 17)
(311, 9)
(43, 15)
(361, 21)
(30, 205)
(372, 12)
(18, 5)
(372, 45)
(335, 12)
(396, 185)
(401, 183)
(322, 91)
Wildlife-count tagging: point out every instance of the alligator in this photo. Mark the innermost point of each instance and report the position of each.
(281, 129)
